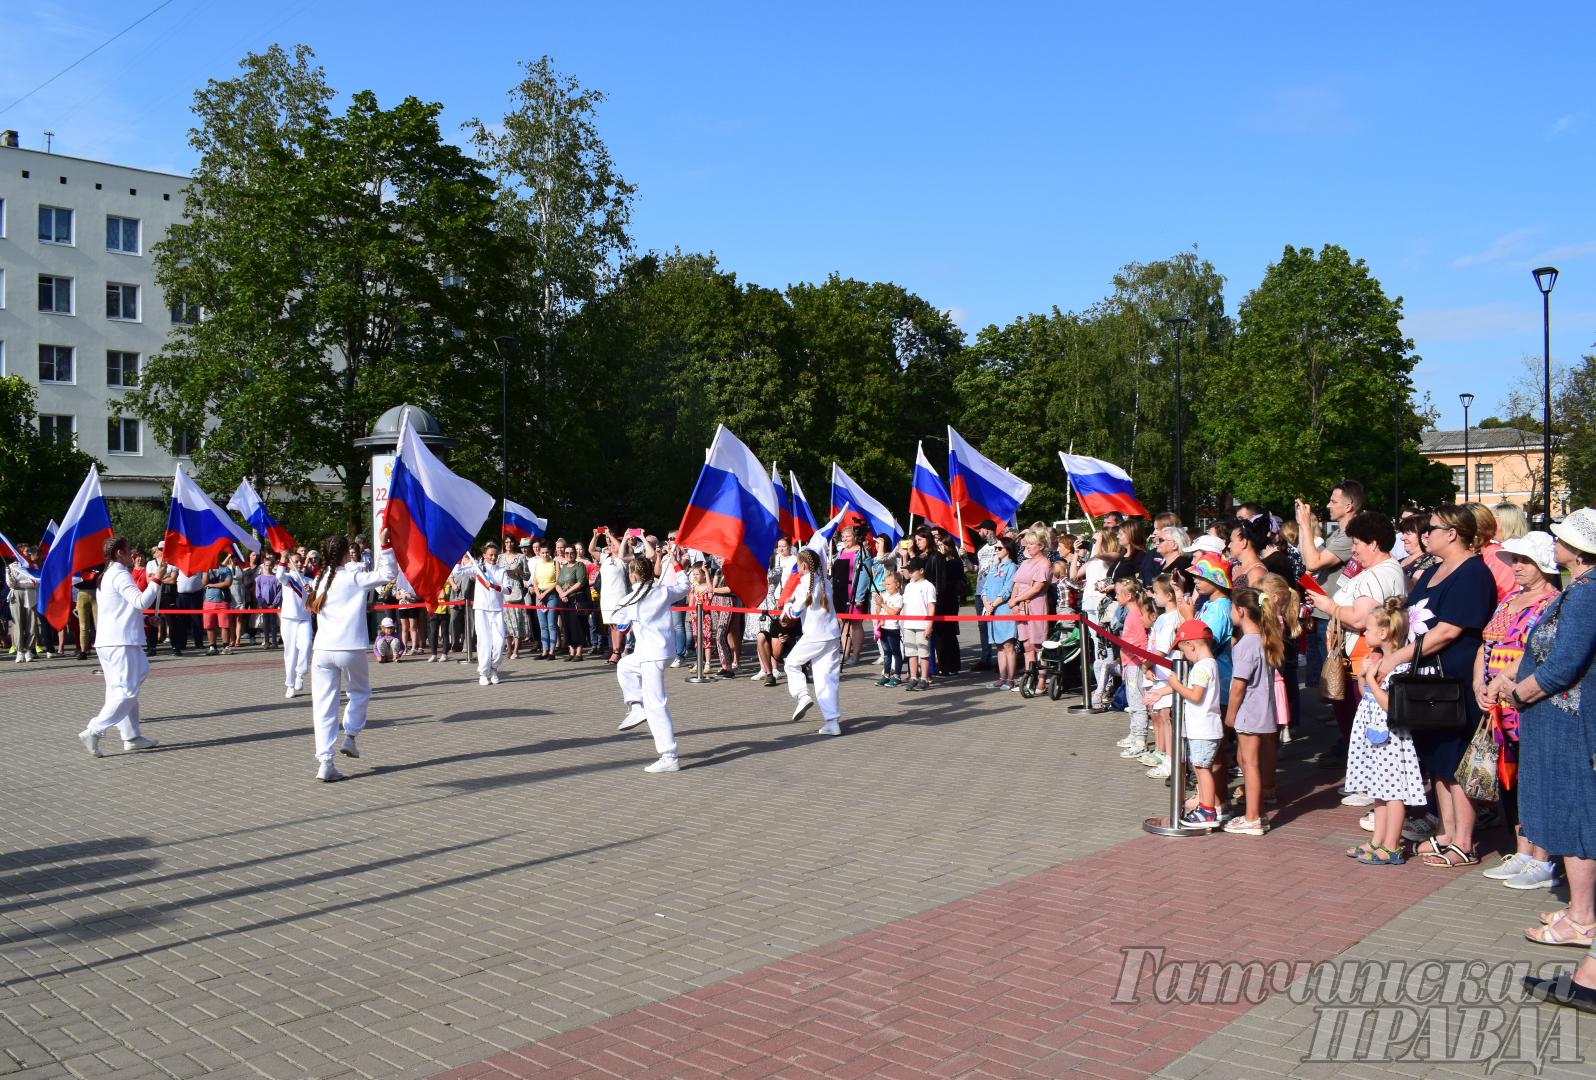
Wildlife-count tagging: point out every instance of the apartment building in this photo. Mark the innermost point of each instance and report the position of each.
(1503, 465)
(79, 308)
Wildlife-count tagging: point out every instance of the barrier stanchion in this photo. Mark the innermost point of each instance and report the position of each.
(470, 635)
(1086, 670)
(701, 664)
(1171, 825)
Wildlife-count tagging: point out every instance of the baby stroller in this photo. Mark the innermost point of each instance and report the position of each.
(1058, 656)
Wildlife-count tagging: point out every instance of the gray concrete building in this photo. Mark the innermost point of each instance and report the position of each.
(80, 312)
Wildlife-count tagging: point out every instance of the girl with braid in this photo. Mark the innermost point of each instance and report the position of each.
(342, 647)
(820, 646)
(657, 583)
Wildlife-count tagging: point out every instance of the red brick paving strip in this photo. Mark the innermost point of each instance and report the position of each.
(1016, 979)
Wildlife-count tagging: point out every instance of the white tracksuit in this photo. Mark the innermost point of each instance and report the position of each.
(820, 646)
(119, 644)
(641, 672)
(487, 613)
(342, 650)
(294, 619)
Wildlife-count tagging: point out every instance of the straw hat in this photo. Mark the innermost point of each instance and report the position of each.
(1578, 530)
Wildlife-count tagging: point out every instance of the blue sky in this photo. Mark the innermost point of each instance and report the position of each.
(995, 164)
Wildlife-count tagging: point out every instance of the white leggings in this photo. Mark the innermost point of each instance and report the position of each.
(327, 669)
(824, 658)
(643, 683)
(296, 651)
(125, 667)
(489, 626)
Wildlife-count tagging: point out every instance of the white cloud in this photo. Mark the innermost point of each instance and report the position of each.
(1562, 126)
(1504, 247)
(1566, 253)
(1317, 109)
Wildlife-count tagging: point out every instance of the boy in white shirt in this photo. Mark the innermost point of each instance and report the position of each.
(1204, 726)
(919, 598)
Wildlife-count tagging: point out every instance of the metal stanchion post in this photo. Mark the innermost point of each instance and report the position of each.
(702, 662)
(1171, 825)
(470, 634)
(1086, 671)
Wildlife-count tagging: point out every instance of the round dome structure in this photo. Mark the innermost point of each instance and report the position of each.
(385, 432)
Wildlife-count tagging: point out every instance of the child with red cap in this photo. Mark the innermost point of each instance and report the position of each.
(1204, 726)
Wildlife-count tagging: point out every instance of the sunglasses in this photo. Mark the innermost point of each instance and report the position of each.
(1432, 528)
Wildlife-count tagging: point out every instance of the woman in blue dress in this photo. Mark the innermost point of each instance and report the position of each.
(995, 589)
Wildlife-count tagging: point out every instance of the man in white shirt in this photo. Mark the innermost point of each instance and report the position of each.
(985, 559)
(487, 610)
(119, 646)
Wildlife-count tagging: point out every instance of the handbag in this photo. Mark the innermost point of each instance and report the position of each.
(1426, 700)
(1477, 771)
(1333, 676)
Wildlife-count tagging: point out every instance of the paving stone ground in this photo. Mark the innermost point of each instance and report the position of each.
(499, 888)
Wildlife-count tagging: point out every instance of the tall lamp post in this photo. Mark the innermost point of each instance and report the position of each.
(1467, 400)
(1396, 460)
(506, 344)
(1545, 278)
(1179, 322)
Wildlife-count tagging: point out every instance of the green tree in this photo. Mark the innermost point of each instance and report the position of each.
(342, 265)
(1575, 416)
(38, 475)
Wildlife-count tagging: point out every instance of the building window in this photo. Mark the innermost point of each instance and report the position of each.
(122, 234)
(61, 429)
(1457, 477)
(121, 301)
(121, 368)
(55, 294)
(183, 443)
(2, 286)
(55, 225)
(185, 313)
(55, 363)
(1484, 478)
(122, 435)
(2, 219)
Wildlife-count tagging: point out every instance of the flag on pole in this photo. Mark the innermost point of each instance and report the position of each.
(803, 518)
(930, 499)
(432, 515)
(733, 514)
(198, 532)
(1101, 487)
(820, 544)
(248, 505)
(47, 540)
(522, 523)
(980, 488)
(79, 546)
(865, 510)
(783, 504)
(8, 548)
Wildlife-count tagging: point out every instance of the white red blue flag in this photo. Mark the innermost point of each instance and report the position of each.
(866, 510)
(432, 515)
(803, 518)
(79, 546)
(980, 488)
(1101, 487)
(930, 499)
(198, 531)
(820, 544)
(522, 523)
(733, 514)
(248, 505)
(8, 548)
(783, 504)
(47, 539)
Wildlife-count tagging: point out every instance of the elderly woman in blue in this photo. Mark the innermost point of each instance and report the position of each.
(996, 586)
(1557, 755)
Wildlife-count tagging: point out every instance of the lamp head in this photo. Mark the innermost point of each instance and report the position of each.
(505, 343)
(1179, 322)
(1466, 399)
(1545, 278)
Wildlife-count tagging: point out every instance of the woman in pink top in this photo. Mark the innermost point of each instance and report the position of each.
(1030, 594)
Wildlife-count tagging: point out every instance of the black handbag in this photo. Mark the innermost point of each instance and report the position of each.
(1423, 699)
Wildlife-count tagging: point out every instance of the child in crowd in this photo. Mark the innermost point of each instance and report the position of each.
(1134, 626)
(1288, 606)
(1255, 657)
(438, 626)
(1064, 592)
(919, 598)
(1105, 667)
(386, 646)
(1160, 640)
(1381, 760)
(700, 595)
(1203, 724)
(889, 602)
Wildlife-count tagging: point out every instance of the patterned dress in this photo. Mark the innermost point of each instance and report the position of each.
(1557, 736)
(1504, 650)
(1389, 770)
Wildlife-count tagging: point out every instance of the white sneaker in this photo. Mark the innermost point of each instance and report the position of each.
(632, 719)
(1133, 750)
(1510, 866)
(299, 684)
(830, 727)
(348, 748)
(1366, 822)
(805, 703)
(494, 678)
(756, 676)
(676, 663)
(92, 741)
(1126, 741)
(1535, 875)
(1357, 798)
(482, 680)
(289, 692)
(666, 763)
(1159, 771)
(1415, 830)
(139, 743)
(327, 774)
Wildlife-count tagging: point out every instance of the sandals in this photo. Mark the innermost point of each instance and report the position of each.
(1360, 851)
(1549, 917)
(1382, 856)
(1449, 856)
(1548, 934)
(1000, 684)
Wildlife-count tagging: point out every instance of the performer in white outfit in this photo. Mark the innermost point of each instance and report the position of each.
(657, 582)
(120, 648)
(820, 646)
(294, 618)
(342, 647)
(487, 613)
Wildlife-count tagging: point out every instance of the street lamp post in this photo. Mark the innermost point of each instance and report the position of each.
(506, 345)
(1179, 322)
(1467, 400)
(1396, 460)
(1545, 278)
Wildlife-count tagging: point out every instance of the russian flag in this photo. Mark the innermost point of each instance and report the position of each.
(247, 505)
(803, 518)
(929, 499)
(7, 547)
(820, 544)
(49, 538)
(522, 523)
(877, 518)
(432, 515)
(733, 514)
(783, 504)
(79, 545)
(197, 531)
(980, 488)
(1101, 487)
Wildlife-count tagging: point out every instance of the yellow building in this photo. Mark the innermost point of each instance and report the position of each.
(1504, 464)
